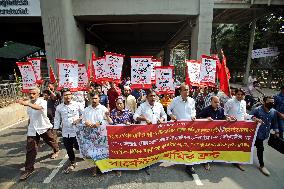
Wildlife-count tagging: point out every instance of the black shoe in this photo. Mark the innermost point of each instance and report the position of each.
(146, 169)
(190, 170)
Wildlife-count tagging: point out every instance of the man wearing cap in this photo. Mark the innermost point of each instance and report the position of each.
(129, 100)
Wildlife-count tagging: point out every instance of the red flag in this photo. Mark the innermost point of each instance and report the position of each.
(93, 55)
(52, 77)
(89, 71)
(224, 76)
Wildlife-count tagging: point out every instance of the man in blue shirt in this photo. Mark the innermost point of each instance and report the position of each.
(213, 112)
(279, 106)
(103, 98)
(268, 116)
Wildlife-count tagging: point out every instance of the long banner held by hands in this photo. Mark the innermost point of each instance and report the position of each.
(67, 74)
(141, 72)
(28, 75)
(185, 142)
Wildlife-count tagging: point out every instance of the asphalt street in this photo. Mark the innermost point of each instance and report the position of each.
(49, 173)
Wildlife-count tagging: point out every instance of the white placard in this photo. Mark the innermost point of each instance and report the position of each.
(114, 64)
(99, 68)
(82, 77)
(141, 70)
(28, 75)
(164, 79)
(208, 70)
(36, 66)
(193, 72)
(153, 71)
(68, 74)
(265, 52)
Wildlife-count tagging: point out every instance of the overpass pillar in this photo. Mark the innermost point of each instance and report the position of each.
(202, 30)
(63, 36)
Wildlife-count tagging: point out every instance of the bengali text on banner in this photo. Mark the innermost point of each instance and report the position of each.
(134, 147)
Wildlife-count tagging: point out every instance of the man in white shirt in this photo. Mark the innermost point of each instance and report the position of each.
(183, 108)
(39, 127)
(96, 116)
(151, 111)
(67, 115)
(235, 109)
(130, 101)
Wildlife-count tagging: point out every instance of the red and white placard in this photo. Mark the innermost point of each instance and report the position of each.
(141, 72)
(99, 65)
(208, 71)
(164, 80)
(155, 63)
(36, 62)
(67, 74)
(113, 67)
(82, 78)
(28, 75)
(192, 72)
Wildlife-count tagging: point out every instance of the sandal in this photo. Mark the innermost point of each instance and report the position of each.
(118, 173)
(207, 166)
(70, 168)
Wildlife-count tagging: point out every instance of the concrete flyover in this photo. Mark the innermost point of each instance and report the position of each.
(136, 27)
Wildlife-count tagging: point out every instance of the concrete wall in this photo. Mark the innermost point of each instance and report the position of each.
(135, 7)
(12, 114)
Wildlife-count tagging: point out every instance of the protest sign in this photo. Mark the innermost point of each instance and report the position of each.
(82, 78)
(99, 65)
(36, 62)
(164, 80)
(265, 52)
(154, 64)
(208, 71)
(184, 142)
(113, 69)
(28, 76)
(67, 74)
(192, 72)
(141, 72)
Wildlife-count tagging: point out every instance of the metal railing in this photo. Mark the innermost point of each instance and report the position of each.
(9, 93)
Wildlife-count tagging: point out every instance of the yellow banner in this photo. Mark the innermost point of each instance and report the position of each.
(178, 157)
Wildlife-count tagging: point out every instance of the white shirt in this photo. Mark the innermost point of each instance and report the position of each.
(130, 103)
(236, 108)
(95, 115)
(183, 110)
(153, 113)
(65, 115)
(39, 122)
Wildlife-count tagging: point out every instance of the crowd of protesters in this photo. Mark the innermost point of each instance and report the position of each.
(106, 103)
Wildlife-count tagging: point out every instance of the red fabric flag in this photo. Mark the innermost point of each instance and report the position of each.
(93, 55)
(223, 76)
(89, 71)
(52, 77)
